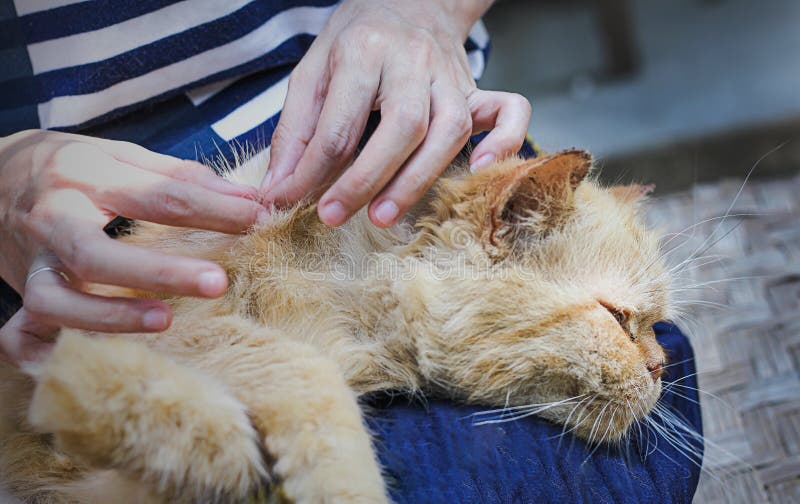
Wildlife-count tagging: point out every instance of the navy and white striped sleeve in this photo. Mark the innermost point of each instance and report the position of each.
(179, 77)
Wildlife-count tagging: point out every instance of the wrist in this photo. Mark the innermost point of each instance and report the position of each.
(465, 13)
(13, 263)
(19, 135)
(13, 266)
(11, 144)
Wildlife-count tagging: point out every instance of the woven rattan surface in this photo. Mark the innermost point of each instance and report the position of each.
(745, 327)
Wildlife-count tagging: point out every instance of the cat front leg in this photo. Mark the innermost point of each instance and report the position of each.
(309, 418)
(116, 404)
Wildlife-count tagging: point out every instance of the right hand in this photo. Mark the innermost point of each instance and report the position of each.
(58, 191)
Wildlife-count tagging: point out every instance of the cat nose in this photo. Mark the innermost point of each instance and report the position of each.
(656, 369)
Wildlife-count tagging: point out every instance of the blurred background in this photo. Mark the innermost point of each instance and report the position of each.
(690, 95)
(678, 84)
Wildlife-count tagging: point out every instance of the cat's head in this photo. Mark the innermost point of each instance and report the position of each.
(542, 286)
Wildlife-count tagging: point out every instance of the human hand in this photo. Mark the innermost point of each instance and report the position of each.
(23, 339)
(57, 193)
(405, 58)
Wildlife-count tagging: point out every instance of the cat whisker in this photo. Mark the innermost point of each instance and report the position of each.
(648, 428)
(524, 406)
(675, 272)
(722, 237)
(670, 276)
(733, 203)
(523, 412)
(711, 457)
(705, 221)
(693, 227)
(596, 423)
(666, 391)
(510, 418)
(605, 433)
(678, 234)
(692, 262)
(502, 410)
(638, 424)
(711, 304)
(701, 391)
(672, 383)
(732, 279)
(572, 412)
(681, 317)
(678, 434)
(673, 364)
(685, 439)
(581, 418)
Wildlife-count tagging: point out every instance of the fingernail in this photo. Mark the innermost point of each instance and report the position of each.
(387, 212)
(212, 283)
(155, 320)
(482, 162)
(333, 213)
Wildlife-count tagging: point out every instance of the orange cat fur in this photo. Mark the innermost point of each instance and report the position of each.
(525, 283)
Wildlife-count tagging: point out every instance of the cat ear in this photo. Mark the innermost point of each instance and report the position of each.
(631, 193)
(542, 188)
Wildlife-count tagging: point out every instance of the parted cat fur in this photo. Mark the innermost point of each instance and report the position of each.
(525, 283)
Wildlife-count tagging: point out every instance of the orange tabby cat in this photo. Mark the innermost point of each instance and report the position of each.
(524, 283)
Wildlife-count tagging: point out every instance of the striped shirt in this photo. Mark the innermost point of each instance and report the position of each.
(179, 77)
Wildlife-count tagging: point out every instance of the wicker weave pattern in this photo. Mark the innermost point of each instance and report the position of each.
(748, 352)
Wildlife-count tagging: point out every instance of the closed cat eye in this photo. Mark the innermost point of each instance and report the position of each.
(621, 316)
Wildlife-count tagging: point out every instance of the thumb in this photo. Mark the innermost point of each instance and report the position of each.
(298, 120)
(23, 339)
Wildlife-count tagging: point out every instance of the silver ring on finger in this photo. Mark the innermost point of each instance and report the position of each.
(42, 270)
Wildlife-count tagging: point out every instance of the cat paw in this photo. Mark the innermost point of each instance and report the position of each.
(114, 403)
(353, 477)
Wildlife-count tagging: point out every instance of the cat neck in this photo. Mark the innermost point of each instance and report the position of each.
(340, 289)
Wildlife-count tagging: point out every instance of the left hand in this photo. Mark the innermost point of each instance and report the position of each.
(405, 58)
(59, 191)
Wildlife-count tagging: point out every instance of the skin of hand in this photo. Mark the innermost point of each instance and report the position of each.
(59, 190)
(405, 58)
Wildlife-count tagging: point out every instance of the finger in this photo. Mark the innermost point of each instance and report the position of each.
(341, 123)
(97, 258)
(449, 130)
(146, 195)
(201, 175)
(51, 300)
(405, 114)
(92, 256)
(298, 120)
(507, 115)
(179, 169)
(154, 198)
(22, 339)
